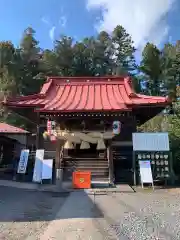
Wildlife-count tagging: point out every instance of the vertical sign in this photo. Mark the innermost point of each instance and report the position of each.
(37, 175)
(23, 161)
(145, 172)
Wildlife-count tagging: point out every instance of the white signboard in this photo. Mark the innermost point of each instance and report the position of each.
(37, 175)
(47, 169)
(145, 171)
(23, 161)
(150, 141)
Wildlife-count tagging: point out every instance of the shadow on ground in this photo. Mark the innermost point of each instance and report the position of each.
(19, 205)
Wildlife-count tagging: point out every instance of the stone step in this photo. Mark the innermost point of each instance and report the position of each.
(100, 174)
(99, 179)
(97, 173)
(87, 168)
(84, 162)
(87, 165)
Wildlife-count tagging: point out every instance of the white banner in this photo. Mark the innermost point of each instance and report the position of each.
(145, 171)
(23, 161)
(37, 175)
(47, 169)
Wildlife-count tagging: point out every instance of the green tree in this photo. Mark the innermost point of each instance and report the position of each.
(48, 64)
(63, 50)
(7, 51)
(123, 51)
(169, 70)
(103, 61)
(93, 56)
(151, 67)
(28, 63)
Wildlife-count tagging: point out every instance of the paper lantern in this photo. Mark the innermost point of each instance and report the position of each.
(84, 145)
(101, 145)
(68, 145)
(116, 127)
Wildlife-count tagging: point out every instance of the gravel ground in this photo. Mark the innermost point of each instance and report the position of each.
(25, 213)
(139, 216)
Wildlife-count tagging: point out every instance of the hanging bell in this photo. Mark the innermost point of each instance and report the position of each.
(68, 145)
(101, 145)
(45, 135)
(84, 145)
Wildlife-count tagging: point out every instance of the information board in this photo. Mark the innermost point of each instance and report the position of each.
(145, 171)
(37, 174)
(23, 161)
(47, 169)
(150, 141)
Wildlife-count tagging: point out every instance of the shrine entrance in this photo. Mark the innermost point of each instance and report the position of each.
(123, 164)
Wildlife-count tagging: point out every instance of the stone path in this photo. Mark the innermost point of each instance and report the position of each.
(75, 220)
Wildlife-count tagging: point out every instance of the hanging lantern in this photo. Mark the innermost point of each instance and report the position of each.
(116, 127)
(53, 138)
(68, 145)
(84, 145)
(49, 127)
(101, 145)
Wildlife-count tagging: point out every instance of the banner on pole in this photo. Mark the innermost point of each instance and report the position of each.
(23, 161)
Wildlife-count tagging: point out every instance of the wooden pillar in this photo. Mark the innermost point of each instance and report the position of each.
(37, 131)
(111, 168)
(59, 158)
(134, 169)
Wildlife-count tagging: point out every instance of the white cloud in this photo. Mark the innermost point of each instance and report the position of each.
(63, 18)
(52, 28)
(52, 32)
(63, 21)
(144, 20)
(45, 20)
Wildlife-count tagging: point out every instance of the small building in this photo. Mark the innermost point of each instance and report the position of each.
(15, 133)
(84, 109)
(12, 140)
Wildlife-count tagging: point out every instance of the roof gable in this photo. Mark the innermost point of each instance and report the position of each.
(6, 128)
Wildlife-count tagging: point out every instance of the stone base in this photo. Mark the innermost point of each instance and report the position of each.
(59, 174)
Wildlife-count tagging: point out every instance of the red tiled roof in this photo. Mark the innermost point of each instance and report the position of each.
(72, 94)
(6, 128)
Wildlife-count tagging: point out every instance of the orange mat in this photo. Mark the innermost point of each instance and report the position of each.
(81, 180)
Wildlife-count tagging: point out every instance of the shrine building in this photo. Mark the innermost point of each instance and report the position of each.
(83, 111)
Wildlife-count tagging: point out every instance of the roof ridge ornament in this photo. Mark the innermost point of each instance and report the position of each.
(128, 87)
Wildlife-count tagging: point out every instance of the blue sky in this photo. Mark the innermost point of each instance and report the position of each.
(156, 20)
